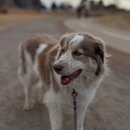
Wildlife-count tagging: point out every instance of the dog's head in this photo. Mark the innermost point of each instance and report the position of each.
(79, 54)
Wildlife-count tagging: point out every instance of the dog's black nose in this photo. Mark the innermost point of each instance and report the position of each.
(57, 68)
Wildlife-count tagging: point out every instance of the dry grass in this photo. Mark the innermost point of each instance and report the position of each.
(119, 20)
(16, 15)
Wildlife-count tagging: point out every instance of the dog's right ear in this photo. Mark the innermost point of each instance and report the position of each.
(62, 40)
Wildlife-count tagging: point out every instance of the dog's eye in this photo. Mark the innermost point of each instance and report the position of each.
(77, 53)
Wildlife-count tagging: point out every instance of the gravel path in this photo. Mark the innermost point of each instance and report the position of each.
(110, 109)
(115, 38)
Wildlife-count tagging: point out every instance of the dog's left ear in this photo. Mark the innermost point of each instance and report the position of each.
(99, 51)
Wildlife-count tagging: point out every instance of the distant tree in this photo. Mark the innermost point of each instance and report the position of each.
(18, 3)
(54, 6)
(2, 2)
(36, 4)
(70, 6)
(62, 6)
(65, 7)
(112, 8)
(29, 4)
(42, 6)
(83, 1)
(100, 5)
(92, 5)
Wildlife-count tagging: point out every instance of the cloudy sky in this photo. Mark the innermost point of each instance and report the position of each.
(122, 3)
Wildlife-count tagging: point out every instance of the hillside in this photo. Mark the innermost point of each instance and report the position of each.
(118, 20)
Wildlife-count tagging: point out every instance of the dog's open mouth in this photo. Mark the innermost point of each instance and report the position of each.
(67, 79)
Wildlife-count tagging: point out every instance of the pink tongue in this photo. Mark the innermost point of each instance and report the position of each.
(67, 79)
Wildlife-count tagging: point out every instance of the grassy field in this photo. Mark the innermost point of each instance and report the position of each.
(118, 20)
(16, 15)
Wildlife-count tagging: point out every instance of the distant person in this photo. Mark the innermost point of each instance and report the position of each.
(86, 13)
(79, 11)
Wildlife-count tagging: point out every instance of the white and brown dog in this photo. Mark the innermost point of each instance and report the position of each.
(77, 61)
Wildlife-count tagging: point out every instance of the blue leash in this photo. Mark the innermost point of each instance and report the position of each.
(74, 94)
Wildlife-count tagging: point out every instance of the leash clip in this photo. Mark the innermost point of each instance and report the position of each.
(74, 93)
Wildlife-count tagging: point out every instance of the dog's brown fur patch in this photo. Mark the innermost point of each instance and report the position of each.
(45, 58)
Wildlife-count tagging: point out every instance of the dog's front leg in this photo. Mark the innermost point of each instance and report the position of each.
(55, 114)
(80, 115)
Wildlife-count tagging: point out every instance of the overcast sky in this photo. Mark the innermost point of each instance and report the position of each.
(122, 3)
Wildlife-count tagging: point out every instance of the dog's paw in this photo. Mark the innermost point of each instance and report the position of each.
(28, 105)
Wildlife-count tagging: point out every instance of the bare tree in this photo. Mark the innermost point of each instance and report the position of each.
(83, 2)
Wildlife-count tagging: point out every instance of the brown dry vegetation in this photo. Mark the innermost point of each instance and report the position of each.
(119, 20)
(16, 15)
